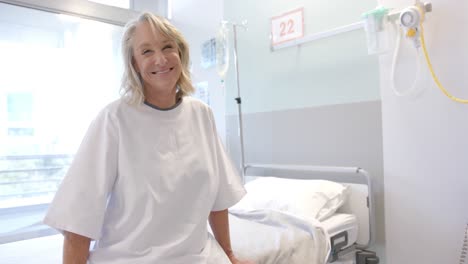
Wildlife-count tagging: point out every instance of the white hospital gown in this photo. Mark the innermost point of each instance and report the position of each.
(143, 183)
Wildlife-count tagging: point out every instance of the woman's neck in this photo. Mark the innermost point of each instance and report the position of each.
(162, 100)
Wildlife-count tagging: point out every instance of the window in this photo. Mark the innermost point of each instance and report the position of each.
(57, 72)
(19, 114)
(19, 106)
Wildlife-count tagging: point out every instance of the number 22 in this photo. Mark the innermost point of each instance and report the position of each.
(290, 24)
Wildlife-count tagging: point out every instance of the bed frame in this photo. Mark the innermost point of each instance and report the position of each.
(360, 203)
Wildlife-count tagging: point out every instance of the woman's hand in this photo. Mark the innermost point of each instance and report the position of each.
(219, 222)
(234, 260)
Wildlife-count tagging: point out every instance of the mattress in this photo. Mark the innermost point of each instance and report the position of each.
(339, 223)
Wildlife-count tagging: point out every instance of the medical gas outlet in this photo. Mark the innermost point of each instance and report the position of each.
(411, 21)
(411, 18)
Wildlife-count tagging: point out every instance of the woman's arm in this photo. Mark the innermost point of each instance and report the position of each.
(219, 222)
(75, 248)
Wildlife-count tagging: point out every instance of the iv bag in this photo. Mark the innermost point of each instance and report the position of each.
(222, 50)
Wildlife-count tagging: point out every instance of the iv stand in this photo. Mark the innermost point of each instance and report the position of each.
(243, 25)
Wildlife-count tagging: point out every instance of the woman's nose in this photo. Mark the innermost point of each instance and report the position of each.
(160, 59)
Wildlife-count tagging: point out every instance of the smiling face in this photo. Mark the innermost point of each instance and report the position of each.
(156, 58)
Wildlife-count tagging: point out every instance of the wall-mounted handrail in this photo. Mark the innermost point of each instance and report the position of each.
(320, 35)
(329, 33)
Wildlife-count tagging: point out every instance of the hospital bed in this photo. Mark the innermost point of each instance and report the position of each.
(276, 231)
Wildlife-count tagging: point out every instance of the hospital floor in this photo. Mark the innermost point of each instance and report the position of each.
(44, 250)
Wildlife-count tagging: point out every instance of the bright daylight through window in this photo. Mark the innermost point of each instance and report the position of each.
(56, 73)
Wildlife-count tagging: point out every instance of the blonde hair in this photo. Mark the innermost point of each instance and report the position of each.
(132, 86)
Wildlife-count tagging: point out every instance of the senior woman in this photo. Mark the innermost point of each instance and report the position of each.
(151, 169)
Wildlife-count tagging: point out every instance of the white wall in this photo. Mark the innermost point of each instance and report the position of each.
(157, 6)
(301, 76)
(426, 144)
(199, 21)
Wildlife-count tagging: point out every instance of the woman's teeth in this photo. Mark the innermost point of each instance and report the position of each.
(168, 70)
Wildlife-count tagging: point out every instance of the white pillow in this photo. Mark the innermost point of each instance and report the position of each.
(317, 199)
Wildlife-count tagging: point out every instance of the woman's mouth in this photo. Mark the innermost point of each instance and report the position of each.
(163, 71)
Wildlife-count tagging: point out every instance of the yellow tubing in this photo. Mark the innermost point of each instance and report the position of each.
(463, 101)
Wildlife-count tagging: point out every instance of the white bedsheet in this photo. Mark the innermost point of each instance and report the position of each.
(268, 236)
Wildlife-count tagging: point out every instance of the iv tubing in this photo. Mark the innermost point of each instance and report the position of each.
(411, 91)
(436, 80)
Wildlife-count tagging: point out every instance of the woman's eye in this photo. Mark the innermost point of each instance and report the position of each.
(167, 47)
(145, 52)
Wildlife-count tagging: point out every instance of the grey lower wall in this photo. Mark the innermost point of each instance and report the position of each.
(333, 135)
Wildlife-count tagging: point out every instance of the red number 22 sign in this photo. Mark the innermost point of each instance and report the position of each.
(287, 26)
